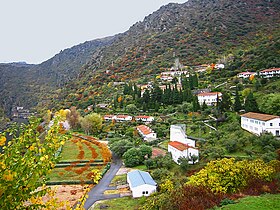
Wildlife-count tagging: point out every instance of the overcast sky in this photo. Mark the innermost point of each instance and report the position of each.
(36, 30)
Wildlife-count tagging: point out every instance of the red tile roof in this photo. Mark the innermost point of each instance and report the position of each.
(269, 70)
(247, 72)
(258, 116)
(209, 94)
(144, 129)
(145, 117)
(122, 116)
(179, 146)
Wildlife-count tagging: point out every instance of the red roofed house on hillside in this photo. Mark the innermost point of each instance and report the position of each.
(257, 123)
(147, 133)
(209, 98)
(144, 118)
(268, 73)
(180, 145)
(246, 74)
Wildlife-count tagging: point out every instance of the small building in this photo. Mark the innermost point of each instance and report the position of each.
(123, 118)
(144, 118)
(109, 117)
(268, 73)
(180, 145)
(257, 123)
(141, 183)
(147, 133)
(246, 74)
(209, 98)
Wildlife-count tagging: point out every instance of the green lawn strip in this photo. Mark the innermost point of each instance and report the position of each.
(263, 202)
(126, 203)
(60, 174)
(118, 180)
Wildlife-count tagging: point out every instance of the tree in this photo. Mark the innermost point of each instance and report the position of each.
(121, 146)
(131, 108)
(91, 123)
(133, 157)
(73, 117)
(226, 102)
(251, 103)
(24, 163)
(237, 103)
(145, 150)
(196, 105)
(184, 163)
(270, 104)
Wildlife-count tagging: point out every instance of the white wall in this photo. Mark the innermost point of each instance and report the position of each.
(258, 126)
(138, 191)
(177, 133)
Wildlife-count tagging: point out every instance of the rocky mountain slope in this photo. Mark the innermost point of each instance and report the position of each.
(25, 85)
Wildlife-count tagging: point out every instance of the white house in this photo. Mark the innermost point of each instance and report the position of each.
(147, 133)
(246, 74)
(123, 118)
(268, 73)
(257, 123)
(180, 145)
(141, 183)
(209, 98)
(109, 117)
(144, 118)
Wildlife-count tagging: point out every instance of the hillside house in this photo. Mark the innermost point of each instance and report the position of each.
(209, 98)
(141, 183)
(246, 74)
(147, 133)
(123, 118)
(268, 73)
(144, 118)
(180, 145)
(257, 123)
(109, 117)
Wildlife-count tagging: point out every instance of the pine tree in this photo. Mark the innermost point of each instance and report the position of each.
(196, 105)
(251, 104)
(237, 104)
(225, 102)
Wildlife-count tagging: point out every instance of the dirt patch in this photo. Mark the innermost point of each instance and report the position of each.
(71, 193)
(157, 152)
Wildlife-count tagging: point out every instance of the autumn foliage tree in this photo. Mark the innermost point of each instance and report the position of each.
(24, 163)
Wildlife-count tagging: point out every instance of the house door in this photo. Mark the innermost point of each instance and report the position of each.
(277, 133)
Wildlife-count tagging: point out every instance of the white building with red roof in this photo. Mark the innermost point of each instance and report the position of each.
(123, 118)
(144, 118)
(268, 73)
(180, 145)
(257, 123)
(109, 117)
(209, 98)
(147, 133)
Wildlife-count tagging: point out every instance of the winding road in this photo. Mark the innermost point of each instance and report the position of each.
(97, 192)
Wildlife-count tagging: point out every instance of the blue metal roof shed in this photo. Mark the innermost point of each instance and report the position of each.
(138, 178)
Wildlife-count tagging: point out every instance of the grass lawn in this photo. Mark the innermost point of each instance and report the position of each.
(71, 151)
(60, 174)
(126, 203)
(118, 180)
(263, 202)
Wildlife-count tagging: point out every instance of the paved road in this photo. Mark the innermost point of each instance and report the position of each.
(97, 191)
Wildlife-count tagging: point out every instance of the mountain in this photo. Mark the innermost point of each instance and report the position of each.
(27, 85)
(243, 34)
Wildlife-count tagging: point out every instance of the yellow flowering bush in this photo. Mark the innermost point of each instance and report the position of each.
(228, 175)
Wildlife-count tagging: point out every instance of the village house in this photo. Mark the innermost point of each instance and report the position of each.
(144, 118)
(257, 123)
(123, 118)
(141, 183)
(268, 73)
(246, 74)
(209, 98)
(147, 133)
(180, 145)
(109, 117)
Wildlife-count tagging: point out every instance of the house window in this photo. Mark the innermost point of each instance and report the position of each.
(143, 192)
(271, 124)
(147, 192)
(264, 123)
